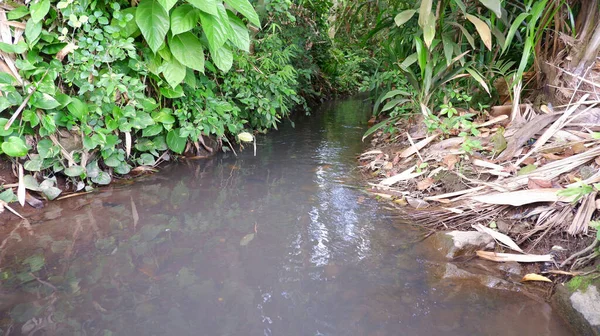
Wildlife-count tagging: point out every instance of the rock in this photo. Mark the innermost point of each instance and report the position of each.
(453, 272)
(580, 307)
(450, 245)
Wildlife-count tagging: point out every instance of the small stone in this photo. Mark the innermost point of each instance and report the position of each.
(588, 304)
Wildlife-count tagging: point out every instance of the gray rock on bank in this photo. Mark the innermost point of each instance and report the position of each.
(454, 244)
(580, 308)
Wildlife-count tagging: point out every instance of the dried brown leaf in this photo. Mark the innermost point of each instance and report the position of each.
(538, 184)
(450, 160)
(505, 257)
(425, 183)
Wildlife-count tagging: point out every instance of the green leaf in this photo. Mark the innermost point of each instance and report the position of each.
(448, 49)
(207, 6)
(404, 16)
(44, 101)
(494, 6)
(8, 196)
(241, 37)
(39, 10)
(187, 49)
(513, 30)
(153, 20)
(17, 13)
(32, 31)
(174, 72)
(175, 142)
(74, 171)
(102, 178)
(3, 132)
(223, 58)
(215, 30)
(184, 18)
(50, 191)
(14, 147)
(175, 92)
(152, 130)
(246, 9)
(77, 108)
(35, 164)
(46, 149)
(526, 170)
(164, 116)
(466, 33)
(18, 48)
(167, 4)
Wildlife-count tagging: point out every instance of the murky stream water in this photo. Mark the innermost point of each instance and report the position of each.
(277, 244)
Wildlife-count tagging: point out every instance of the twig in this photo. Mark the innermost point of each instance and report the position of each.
(580, 253)
(46, 283)
(415, 147)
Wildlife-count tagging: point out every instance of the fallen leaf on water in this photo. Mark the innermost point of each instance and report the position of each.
(425, 183)
(535, 277)
(246, 239)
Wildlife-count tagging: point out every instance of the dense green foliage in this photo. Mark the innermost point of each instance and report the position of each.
(100, 88)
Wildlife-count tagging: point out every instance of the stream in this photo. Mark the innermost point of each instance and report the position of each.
(281, 243)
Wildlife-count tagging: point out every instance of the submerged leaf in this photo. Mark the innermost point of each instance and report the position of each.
(246, 239)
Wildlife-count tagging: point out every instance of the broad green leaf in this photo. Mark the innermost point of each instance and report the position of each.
(50, 191)
(215, 30)
(483, 29)
(14, 147)
(131, 28)
(494, 6)
(18, 48)
(429, 30)
(74, 171)
(32, 31)
(393, 103)
(152, 130)
(102, 178)
(4, 104)
(3, 132)
(164, 116)
(46, 149)
(184, 18)
(223, 58)
(44, 101)
(421, 54)
(39, 10)
(174, 72)
(171, 93)
(409, 60)
(377, 127)
(404, 16)
(241, 37)
(17, 13)
(7, 79)
(153, 21)
(246, 9)
(167, 4)
(35, 164)
(187, 49)
(175, 142)
(479, 79)
(424, 12)
(207, 6)
(77, 108)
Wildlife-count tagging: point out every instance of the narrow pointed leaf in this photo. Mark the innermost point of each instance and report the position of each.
(404, 16)
(483, 29)
(494, 6)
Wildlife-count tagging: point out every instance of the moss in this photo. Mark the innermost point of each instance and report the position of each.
(579, 283)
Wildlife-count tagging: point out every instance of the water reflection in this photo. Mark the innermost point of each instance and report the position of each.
(277, 244)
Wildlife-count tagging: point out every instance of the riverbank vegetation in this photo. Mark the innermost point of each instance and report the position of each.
(490, 117)
(95, 90)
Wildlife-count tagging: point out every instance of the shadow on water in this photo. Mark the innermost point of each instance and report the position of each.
(277, 244)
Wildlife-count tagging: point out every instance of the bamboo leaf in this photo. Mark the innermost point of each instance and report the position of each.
(404, 16)
(479, 79)
(424, 11)
(429, 30)
(494, 6)
(483, 29)
(513, 30)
